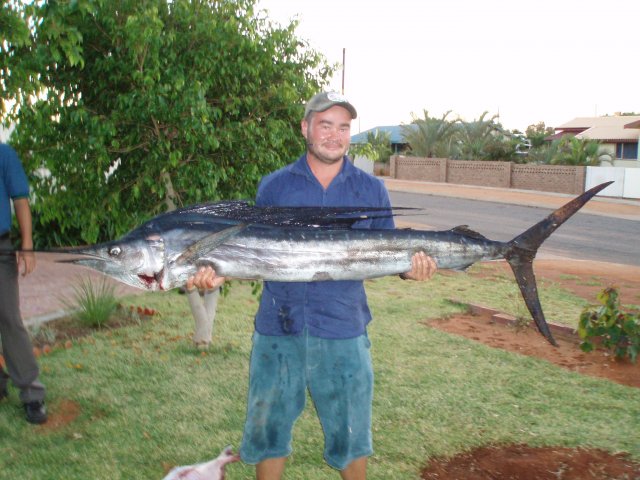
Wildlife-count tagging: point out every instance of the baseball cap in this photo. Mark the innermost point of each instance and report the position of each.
(325, 100)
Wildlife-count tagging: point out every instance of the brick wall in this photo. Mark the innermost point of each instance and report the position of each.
(416, 168)
(488, 174)
(546, 178)
(549, 178)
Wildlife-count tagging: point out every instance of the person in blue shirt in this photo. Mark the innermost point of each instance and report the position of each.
(314, 335)
(16, 345)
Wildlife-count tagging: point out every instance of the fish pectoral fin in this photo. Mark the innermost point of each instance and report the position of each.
(462, 268)
(208, 243)
(465, 230)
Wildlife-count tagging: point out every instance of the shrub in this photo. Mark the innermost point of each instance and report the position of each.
(616, 330)
(94, 304)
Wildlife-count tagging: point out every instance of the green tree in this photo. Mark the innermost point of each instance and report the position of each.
(14, 33)
(544, 154)
(536, 134)
(134, 106)
(485, 140)
(576, 151)
(430, 137)
(19, 73)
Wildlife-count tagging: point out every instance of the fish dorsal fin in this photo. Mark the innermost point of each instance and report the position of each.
(465, 230)
(208, 243)
(280, 216)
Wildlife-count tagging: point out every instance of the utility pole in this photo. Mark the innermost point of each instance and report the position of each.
(344, 54)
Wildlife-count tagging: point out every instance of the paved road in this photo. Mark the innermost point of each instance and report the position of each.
(584, 236)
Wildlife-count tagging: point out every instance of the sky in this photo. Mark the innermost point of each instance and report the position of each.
(528, 61)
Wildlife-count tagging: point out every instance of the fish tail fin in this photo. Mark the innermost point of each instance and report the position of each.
(522, 250)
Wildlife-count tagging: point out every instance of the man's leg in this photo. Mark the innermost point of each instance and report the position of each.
(276, 399)
(16, 344)
(356, 470)
(341, 386)
(270, 469)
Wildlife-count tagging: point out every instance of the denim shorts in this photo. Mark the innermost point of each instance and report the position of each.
(339, 377)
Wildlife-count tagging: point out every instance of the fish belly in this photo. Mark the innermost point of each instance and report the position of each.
(288, 261)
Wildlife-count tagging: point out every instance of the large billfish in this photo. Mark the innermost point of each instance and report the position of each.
(302, 244)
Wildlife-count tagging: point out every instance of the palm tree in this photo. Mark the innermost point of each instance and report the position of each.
(544, 154)
(485, 140)
(377, 148)
(430, 137)
(577, 151)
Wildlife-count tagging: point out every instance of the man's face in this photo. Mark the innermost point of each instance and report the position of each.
(328, 134)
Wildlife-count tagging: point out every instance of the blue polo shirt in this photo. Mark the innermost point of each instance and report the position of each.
(13, 184)
(328, 309)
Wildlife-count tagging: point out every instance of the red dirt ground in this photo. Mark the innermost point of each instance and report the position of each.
(585, 279)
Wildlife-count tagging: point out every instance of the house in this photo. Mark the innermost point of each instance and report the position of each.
(398, 144)
(618, 135)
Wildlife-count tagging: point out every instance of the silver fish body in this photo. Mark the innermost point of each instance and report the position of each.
(163, 253)
(300, 255)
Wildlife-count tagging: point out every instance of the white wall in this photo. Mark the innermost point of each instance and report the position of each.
(626, 181)
(631, 183)
(363, 163)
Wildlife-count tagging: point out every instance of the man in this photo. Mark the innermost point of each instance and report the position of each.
(16, 345)
(313, 335)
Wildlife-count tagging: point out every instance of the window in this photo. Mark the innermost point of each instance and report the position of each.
(627, 151)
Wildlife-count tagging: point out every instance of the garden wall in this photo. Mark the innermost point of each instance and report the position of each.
(546, 178)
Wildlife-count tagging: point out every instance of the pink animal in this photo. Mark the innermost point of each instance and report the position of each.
(213, 470)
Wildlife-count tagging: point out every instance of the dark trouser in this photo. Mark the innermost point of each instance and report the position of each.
(16, 344)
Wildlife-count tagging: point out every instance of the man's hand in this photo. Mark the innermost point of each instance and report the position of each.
(423, 267)
(205, 279)
(26, 260)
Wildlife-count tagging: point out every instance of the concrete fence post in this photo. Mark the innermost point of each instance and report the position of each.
(444, 165)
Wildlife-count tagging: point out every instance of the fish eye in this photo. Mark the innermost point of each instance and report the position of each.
(115, 251)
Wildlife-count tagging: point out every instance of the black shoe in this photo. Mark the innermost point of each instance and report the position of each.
(36, 412)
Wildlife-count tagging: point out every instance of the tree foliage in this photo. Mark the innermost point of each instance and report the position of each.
(536, 134)
(377, 148)
(481, 139)
(576, 151)
(429, 136)
(544, 153)
(128, 107)
(485, 139)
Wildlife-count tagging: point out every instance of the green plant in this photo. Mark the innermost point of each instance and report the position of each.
(617, 330)
(377, 148)
(93, 304)
(430, 136)
(576, 151)
(42, 333)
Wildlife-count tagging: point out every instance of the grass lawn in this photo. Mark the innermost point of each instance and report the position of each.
(149, 400)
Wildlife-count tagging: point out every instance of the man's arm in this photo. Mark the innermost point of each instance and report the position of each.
(25, 256)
